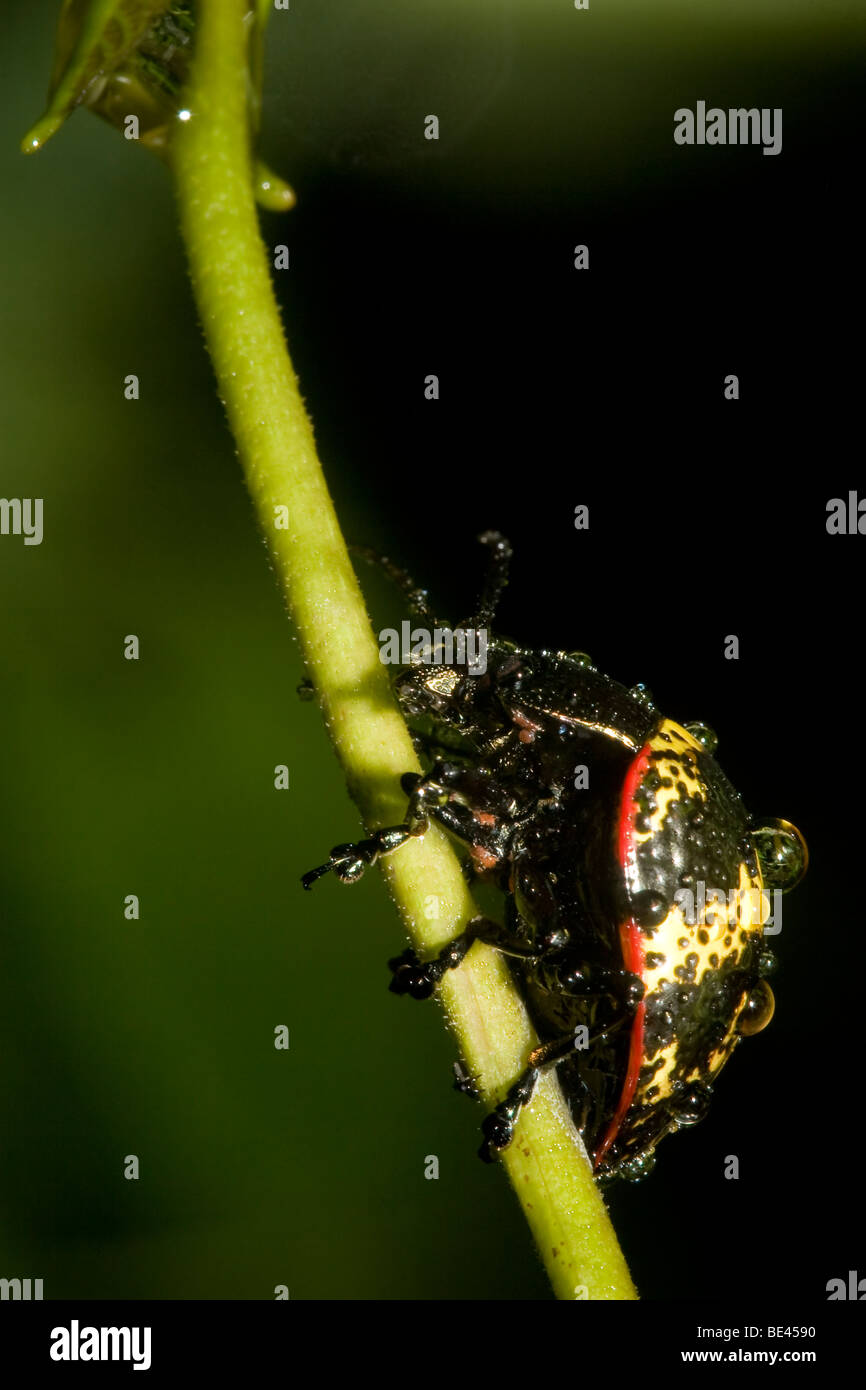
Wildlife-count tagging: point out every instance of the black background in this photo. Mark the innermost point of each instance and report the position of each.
(707, 517)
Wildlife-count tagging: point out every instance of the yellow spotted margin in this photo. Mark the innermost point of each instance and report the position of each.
(210, 152)
(724, 932)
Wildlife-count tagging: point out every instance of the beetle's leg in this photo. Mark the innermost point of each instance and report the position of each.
(475, 788)
(418, 979)
(433, 747)
(465, 1083)
(474, 807)
(498, 1126)
(348, 862)
(566, 972)
(435, 794)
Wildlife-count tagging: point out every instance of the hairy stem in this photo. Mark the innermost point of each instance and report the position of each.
(258, 386)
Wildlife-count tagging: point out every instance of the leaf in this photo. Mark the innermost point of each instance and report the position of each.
(93, 39)
(125, 58)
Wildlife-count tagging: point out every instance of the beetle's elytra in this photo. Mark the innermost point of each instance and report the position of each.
(635, 883)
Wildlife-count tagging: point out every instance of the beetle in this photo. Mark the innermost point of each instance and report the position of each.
(609, 828)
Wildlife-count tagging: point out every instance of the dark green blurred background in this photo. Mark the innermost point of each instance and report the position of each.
(155, 1037)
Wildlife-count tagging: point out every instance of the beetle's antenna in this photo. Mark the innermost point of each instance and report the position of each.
(495, 579)
(417, 597)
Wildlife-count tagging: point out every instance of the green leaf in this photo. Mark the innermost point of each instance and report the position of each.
(124, 58)
(93, 39)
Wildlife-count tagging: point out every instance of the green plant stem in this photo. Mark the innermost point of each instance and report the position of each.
(231, 279)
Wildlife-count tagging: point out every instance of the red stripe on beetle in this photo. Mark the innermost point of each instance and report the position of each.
(631, 939)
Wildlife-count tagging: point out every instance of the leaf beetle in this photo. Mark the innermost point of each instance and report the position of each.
(636, 885)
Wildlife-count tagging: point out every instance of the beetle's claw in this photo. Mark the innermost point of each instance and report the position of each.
(347, 862)
(464, 1082)
(498, 1133)
(410, 976)
(310, 878)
